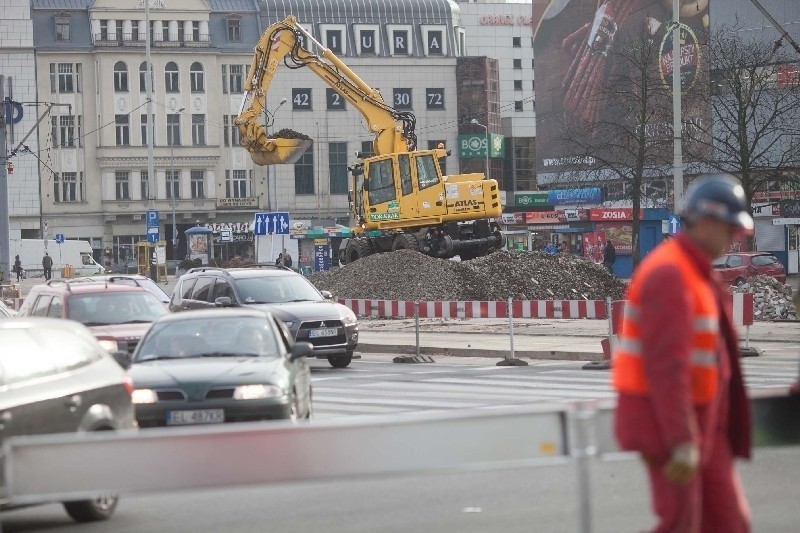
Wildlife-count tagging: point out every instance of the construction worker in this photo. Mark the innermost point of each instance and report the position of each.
(682, 403)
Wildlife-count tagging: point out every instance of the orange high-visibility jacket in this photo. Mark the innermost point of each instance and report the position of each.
(628, 365)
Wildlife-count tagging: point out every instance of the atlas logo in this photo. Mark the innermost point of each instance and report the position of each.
(467, 203)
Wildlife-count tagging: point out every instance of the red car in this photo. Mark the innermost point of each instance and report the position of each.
(737, 267)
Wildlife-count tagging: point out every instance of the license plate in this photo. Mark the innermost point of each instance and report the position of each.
(327, 332)
(197, 416)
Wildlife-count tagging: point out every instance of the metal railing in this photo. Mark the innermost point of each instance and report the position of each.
(133, 40)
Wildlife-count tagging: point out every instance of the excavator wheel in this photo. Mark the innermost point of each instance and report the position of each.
(405, 241)
(356, 249)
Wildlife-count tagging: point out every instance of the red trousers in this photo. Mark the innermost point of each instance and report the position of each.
(712, 502)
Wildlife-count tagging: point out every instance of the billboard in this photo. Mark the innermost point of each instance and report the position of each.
(580, 48)
(473, 145)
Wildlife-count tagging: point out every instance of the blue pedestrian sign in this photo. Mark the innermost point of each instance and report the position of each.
(152, 235)
(152, 218)
(59, 238)
(271, 223)
(674, 224)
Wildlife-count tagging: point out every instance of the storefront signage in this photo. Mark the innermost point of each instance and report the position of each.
(544, 217)
(790, 208)
(785, 221)
(531, 199)
(610, 214)
(766, 210)
(233, 227)
(473, 145)
(237, 203)
(513, 218)
(591, 195)
(505, 20)
(574, 215)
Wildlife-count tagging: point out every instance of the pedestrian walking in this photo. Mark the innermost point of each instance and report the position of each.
(18, 267)
(47, 266)
(287, 259)
(609, 256)
(681, 398)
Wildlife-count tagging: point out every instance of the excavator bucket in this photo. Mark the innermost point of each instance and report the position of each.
(280, 151)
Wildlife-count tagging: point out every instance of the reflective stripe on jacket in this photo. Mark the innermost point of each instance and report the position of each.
(629, 375)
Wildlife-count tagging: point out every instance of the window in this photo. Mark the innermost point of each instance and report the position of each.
(400, 42)
(517, 63)
(434, 98)
(763, 260)
(333, 40)
(225, 79)
(304, 173)
(442, 162)
(198, 183)
(517, 85)
(144, 184)
(335, 100)
(173, 178)
(171, 77)
(123, 130)
(198, 130)
(65, 77)
(68, 187)
(426, 172)
(516, 42)
(62, 27)
(40, 308)
(406, 185)
(435, 43)
(236, 184)
(196, 79)
(402, 99)
(234, 29)
(64, 132)
(118, 31)
(174, 129)
(122, 182)
(143, 77)
(120, 77)
(735, 261)
(103, 30)
(381, 182)
(366, 149)
(337, 167)
(367, 42)
(301, 99)
(230, 130)
(533, 84)
(236, 78)
(518, 105)
(134, 30)
(145, 128)
(201, 288)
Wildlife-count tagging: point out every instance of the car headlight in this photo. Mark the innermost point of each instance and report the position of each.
(349, 319)
(109, 345)
(144, 396)
(257, 392)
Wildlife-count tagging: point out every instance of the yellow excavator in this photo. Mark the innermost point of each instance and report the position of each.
(399, 198)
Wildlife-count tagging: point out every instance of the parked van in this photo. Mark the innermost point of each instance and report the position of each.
(77, 254)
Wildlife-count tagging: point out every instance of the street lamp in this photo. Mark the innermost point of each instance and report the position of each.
(272, 170)
(172, 193)
(486, 136)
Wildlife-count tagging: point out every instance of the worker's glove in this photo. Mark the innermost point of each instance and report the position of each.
(683, 463)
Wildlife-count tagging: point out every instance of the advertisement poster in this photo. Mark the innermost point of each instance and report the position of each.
(580, 48)
(620, 235)
(198, 247)
(322, 259)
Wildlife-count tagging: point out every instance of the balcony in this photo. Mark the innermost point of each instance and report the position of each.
(132, 40)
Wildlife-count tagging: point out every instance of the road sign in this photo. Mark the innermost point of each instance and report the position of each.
(674, 224)
(59, 238)
(152, 235)
(271, 223)
(152, 218)
(225, 235)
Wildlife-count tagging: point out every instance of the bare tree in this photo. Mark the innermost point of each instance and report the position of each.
(755, 110)
(622, 129)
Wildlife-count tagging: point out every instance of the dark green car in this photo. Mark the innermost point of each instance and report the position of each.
(220, 365)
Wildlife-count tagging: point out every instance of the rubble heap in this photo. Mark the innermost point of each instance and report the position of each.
(410, 275)
(772, 300)
(287, 133)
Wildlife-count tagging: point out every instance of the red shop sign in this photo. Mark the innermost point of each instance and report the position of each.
(610, 214)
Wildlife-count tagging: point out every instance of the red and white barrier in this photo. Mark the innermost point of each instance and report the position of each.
(479, 309)
(742, 309)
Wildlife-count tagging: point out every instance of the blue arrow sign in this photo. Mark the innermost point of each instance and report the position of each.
(59, 238)
(674, 224)
(271, 223)
(152, 218)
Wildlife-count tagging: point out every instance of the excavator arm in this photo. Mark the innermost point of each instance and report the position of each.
(285, 41)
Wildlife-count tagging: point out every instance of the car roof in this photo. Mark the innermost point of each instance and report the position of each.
(87, 287)
(227, 312)
(245, 272)
(751, 254)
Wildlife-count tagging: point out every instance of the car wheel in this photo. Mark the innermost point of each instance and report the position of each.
(341, 361)
(95, 510)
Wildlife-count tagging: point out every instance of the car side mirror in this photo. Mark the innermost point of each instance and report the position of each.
(327, 295)
(122, 358)
(223, 301)
(301, 349)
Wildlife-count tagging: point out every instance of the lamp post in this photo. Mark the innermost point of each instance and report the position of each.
(272, 170)
(486, 136)
(172, 193)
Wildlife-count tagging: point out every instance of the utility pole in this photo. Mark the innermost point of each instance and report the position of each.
(150, 119)
(486, 137)
(173, 191)
(677, 156)
(5, 229)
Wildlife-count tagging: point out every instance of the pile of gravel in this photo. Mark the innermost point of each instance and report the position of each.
(287, 133)
(410, 275)
(772, 300)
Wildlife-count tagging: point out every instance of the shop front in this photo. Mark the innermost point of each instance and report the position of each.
(616, 225)
(318, 246)
(233, 239)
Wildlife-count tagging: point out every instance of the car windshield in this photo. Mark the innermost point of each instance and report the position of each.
(235, 336)
(102, 309)
(277, 289)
